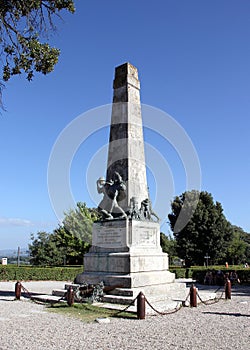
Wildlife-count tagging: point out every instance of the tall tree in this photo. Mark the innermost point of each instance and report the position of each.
(69, 242)
(78, 222)
(44, 250)
(23, 26)
(73, 247)
(207, 232)
(168, 245)
(75, 234)
(239, 247)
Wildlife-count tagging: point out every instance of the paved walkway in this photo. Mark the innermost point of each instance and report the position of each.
(46, 287)
(220, 326)
(41, 287)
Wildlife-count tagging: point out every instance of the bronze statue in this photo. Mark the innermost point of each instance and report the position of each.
(113, 191)
(147, 210)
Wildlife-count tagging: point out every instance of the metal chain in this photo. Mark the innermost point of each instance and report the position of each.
(126, 308)
(40, 302)
(163, 313)
(153, 308)
(187, 297)
(207, 302)
(216, 300)
(210, 302)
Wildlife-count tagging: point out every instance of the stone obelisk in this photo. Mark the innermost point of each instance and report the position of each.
(126, 247)
(126, 145)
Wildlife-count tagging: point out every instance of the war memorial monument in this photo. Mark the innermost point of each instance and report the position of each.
(126, 249)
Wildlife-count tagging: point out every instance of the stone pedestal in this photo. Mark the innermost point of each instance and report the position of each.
(127, 254)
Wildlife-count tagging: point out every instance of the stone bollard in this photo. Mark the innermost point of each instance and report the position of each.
(70, 296)
(193, 296)
(228, 289)
(141, 306)
(18, 290)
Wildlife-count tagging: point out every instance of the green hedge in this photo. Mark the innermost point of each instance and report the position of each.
(179, 272)
(27, 273)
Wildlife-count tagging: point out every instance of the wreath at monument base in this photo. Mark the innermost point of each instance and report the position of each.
(89, 293)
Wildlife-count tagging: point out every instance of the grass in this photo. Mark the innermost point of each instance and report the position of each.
(88, 312)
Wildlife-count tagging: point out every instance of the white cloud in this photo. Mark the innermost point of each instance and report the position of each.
(15, 222)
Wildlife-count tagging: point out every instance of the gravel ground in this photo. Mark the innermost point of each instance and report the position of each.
(224, 325)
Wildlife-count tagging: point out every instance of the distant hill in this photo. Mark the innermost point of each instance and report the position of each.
(5, 253)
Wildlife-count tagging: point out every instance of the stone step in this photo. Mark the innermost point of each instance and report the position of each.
(121, 292)
(117, 299)
(47, 298)
(116, 307)
(59, 292)
(73, 285)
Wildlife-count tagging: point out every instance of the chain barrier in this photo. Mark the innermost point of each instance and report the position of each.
(210, 302)
(205, 302)
(25, 290)
(187, 297)
(218, 289)
(153, 308)
(168, 312)
(213, 301)
(126, 308)
(132, 303)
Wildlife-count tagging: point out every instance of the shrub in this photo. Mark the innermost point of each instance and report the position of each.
(26, 273)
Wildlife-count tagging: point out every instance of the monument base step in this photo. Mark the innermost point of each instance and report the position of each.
(118, 299)
(59, 292)
(138, 279)
(44, 298)
(122, 292)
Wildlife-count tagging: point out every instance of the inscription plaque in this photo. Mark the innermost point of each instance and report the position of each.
(144, 235)
(108, 236)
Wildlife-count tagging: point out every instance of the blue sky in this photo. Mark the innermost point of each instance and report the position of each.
(193, 61)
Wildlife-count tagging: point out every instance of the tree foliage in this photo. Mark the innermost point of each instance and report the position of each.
(168, 245)
(208, 231)
(79, 222)
(68, 242)
(44, 250)
(75, 234)
(239, 248)
(23, 26)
